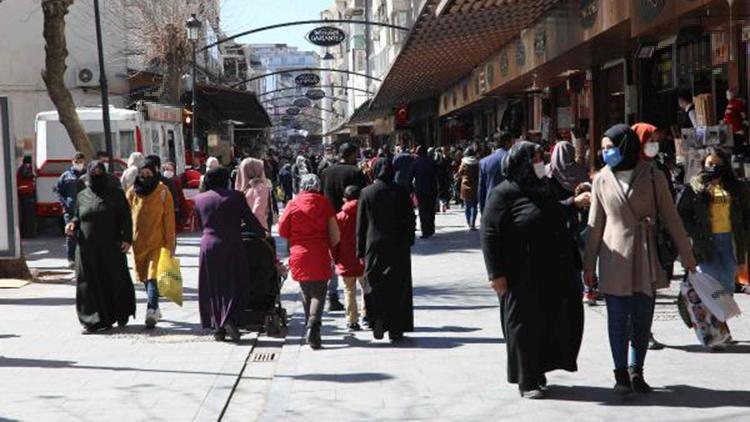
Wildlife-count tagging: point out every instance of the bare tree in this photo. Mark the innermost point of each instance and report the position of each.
(161, 38)
(53, 74)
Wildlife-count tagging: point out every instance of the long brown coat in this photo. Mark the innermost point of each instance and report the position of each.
(624, 243)
(468, 175)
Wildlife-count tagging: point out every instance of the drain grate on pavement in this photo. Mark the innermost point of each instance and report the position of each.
(264, 357)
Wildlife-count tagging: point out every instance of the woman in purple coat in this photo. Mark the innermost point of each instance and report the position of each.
(224, 272)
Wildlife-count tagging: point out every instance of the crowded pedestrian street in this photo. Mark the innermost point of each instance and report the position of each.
(452, 366)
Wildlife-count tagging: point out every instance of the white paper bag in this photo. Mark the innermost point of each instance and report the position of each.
(720, 303)
(709, 330)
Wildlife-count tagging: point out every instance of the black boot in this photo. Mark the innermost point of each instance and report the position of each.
(622, 382)
(638, 382)
(313, 333)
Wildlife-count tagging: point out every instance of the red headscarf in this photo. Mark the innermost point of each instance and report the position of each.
(644, 131)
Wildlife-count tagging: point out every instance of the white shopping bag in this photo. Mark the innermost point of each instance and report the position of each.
(720, 303)
(709, 330)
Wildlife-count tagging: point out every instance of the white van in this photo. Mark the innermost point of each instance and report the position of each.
(154, 129)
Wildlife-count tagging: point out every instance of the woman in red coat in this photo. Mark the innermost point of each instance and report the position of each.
(309, 223)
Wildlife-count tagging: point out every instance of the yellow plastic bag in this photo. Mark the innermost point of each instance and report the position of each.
(169, 279)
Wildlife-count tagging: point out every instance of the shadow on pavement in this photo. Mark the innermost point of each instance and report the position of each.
(7, 336)
(445, 329)
(445, 243)
(669, 396)
(67, 364)
(350, 378)
(410, 342)
(696, 348)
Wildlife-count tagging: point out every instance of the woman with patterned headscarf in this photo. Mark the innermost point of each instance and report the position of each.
(532, 263)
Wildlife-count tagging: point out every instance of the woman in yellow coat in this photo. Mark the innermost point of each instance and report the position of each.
(152, 209)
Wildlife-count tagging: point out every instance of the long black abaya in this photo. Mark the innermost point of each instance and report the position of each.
(104, 292)
(385, 233)
(525, 239)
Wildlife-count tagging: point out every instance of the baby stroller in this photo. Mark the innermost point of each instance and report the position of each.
(264, 312)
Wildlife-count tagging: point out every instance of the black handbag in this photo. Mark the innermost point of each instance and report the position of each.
(665, 249)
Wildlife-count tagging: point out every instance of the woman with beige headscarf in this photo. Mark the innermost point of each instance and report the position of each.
(251, 181)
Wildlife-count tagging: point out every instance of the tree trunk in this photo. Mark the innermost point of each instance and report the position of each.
(174, 65)
(15, 268)
(56, 52)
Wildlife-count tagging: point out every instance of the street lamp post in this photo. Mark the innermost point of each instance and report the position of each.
(193, 33)
(103, 86)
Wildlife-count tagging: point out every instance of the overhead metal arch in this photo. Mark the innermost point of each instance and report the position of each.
(308, 22)
(286, 97)
(316, 87)
(304, 69)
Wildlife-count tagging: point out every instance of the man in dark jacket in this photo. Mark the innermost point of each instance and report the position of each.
(490, 168)
(425, 187)
(67, 189)
(403, 166)
(334, 180)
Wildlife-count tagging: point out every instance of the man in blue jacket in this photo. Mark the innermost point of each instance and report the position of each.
(490, 168)
(403, 165)
(67, 191)
(425, 187)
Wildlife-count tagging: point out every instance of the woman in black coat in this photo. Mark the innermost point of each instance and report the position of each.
(103, 229)
(385, 233)
(532, 263)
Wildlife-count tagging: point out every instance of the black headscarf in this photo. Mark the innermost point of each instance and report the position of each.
(627, 141)
(97, 182)
(518, 167)
(217, 178)
(384, 170)
(144, 187)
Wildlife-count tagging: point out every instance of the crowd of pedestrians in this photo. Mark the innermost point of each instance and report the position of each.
(349, 215)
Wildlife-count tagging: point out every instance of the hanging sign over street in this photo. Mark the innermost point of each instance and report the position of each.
(10, 239)
(307, 79)
(292, 111)
(302, 102)
(315, 94)
(326, 36)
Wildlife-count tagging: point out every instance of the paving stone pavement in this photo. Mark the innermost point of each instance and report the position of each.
(453, 367)
(49, 371)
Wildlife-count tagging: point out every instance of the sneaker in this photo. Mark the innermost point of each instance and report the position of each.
(534, 394)
(152, 317)
(354, 327)
(334, 305)
(123, 322)
(590, 298)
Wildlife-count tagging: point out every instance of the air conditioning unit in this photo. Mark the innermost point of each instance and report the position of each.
(87, 76)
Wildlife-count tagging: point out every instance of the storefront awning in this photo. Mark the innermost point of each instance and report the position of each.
(233, 104)
(448, 39)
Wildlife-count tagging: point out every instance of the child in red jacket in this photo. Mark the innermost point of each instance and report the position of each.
(348, 265)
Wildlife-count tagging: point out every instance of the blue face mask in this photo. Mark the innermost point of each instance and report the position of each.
(612, 156)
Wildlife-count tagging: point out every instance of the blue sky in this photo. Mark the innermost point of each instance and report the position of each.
(242, 15)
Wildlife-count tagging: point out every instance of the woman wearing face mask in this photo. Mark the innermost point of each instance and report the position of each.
(622, 238)
(715, 209)
(103, 228)
(541, 309)
(152, 211)
(178, 195)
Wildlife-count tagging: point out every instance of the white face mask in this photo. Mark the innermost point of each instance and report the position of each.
(730, 95)
(168, 174)
(651, 149)
(539, 170)
(77, 167)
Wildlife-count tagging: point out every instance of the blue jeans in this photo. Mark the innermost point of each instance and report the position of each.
(152, 293)
(629, 319)
(470, 209)
(333, 283)
(723, 265)
(70, 241)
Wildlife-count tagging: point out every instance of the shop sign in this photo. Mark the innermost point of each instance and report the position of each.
(540, 42)
(302, 102)
(292, 111)
(326, 36)
(315, 94)
(307, 79)
(588, 12)
(10, 239)
(520, 53)
(504, 65)
(163, 113)
(650, 9)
